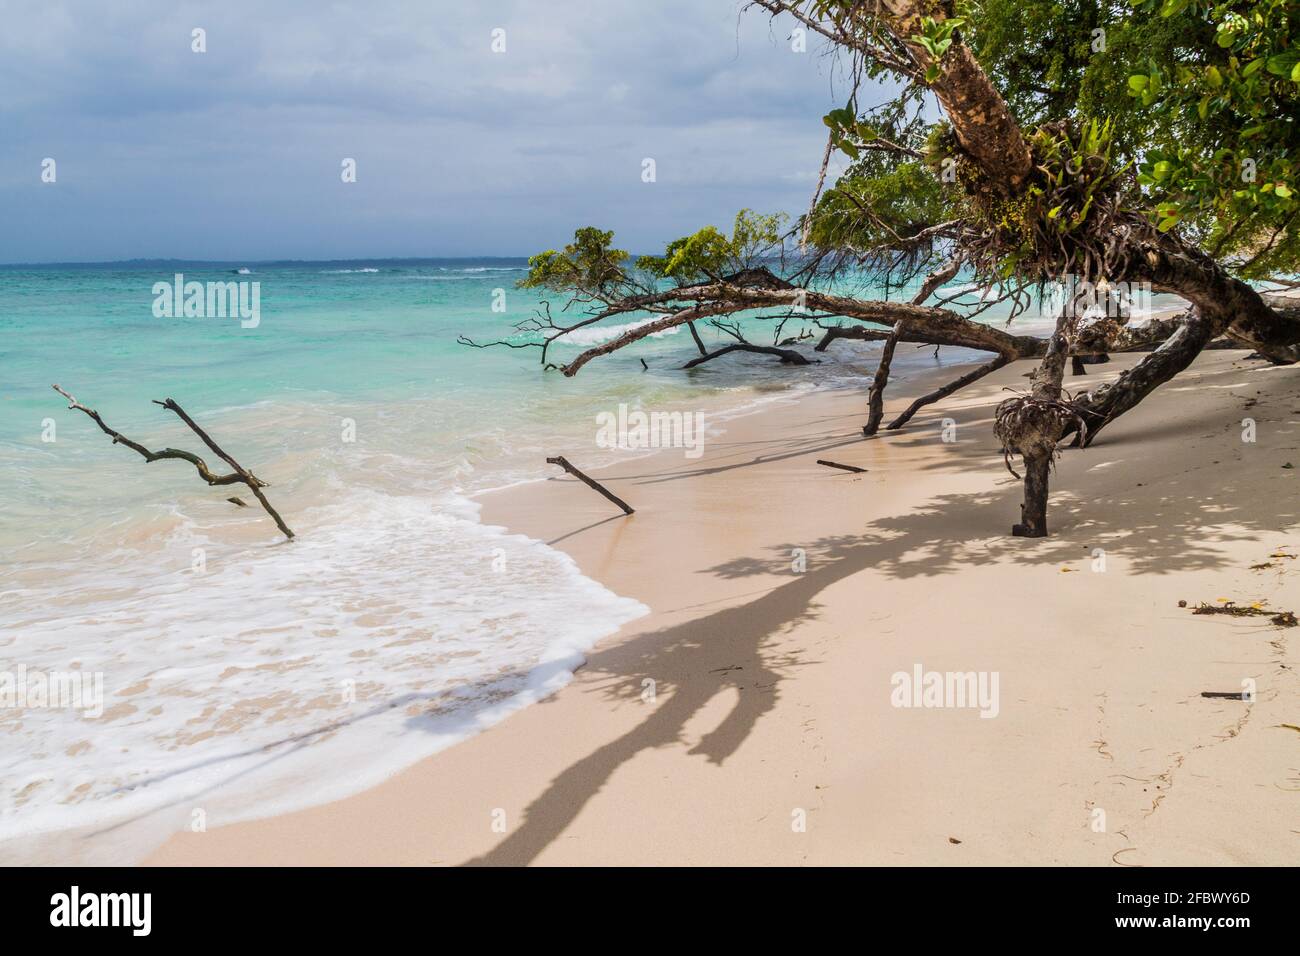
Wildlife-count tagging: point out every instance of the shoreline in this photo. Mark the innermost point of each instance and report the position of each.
(118, 833)
(770, 699)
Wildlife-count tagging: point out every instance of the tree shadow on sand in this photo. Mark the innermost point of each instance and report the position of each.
(734, 646)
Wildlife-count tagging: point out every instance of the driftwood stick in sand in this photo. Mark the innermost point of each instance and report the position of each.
(240, 475)
(590, 482)
(836, 464)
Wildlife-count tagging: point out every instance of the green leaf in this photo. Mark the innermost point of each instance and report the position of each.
(1283, 190)
(1214, 77)
(1138, 83)
(1173, 7)
(1284, 63)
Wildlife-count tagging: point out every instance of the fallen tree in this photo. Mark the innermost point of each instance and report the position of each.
(1055, 165)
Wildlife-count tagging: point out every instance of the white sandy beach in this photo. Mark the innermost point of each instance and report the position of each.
(771, 701)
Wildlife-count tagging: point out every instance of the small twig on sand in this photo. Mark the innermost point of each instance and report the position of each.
(590, 482)
(240, 475)
(836, 464)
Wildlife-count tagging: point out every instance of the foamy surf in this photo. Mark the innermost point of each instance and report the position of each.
(284, 676)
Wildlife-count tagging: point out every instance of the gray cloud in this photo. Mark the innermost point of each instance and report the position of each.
(235, 153)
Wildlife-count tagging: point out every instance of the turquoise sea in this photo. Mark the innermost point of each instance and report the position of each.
(235, 665)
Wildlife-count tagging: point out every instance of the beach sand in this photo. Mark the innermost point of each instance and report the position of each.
(768, 735)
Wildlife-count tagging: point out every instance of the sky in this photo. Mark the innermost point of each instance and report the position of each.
(237, 153)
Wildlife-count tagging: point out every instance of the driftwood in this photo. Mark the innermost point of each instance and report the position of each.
(876, 398)
(240, 475)
(946, 390)
(787, 356)
(590, 482)
(836, 464)
(1277, 618)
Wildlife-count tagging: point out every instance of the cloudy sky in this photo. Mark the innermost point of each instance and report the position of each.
(236, 153)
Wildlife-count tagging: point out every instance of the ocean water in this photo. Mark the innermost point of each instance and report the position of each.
(243, 674)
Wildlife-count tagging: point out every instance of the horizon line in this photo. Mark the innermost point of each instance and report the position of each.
(254, 262)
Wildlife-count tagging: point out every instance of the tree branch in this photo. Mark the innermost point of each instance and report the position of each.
(240, 475)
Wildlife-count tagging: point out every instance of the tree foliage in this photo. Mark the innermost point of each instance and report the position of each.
(1225, 102)
(1029, 141)
(1199, 101)
(589, 264)
(709, 254)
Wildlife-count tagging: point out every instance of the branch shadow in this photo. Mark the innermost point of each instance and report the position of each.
(948, 534)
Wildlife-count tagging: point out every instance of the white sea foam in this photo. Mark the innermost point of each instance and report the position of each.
(484, 269)
(597, 334)
(230, 690)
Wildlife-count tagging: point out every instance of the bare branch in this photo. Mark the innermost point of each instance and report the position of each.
(590, 482)
(972, 376)
(240, 475)
(876, 398)
(787, 356)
